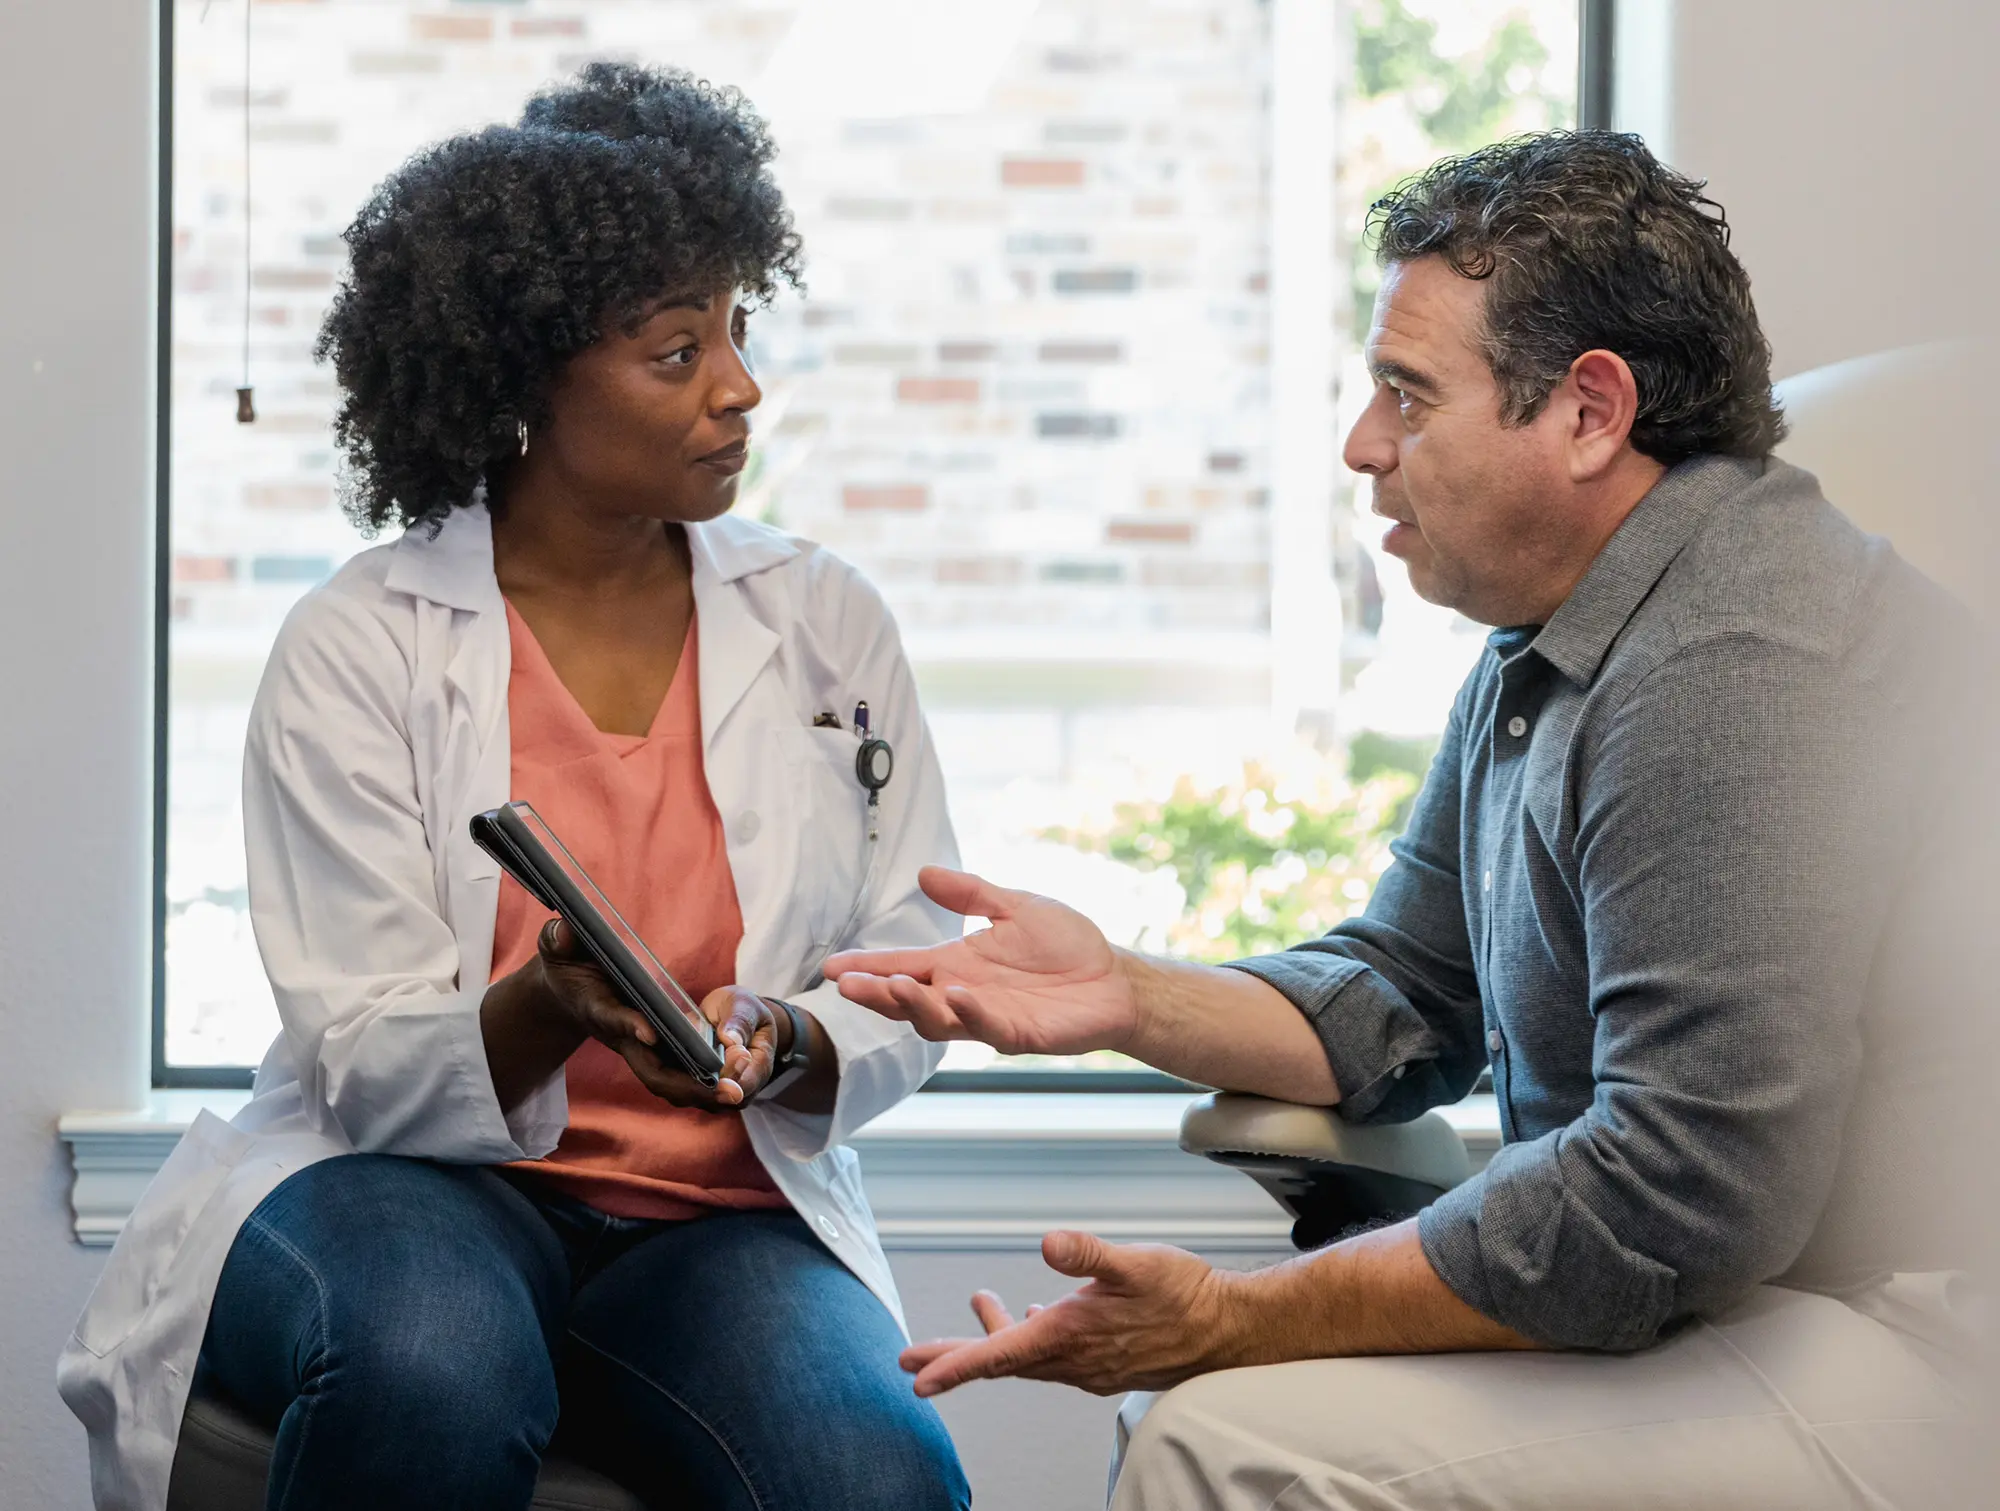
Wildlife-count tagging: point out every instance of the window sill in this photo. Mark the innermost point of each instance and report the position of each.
(969, 1171)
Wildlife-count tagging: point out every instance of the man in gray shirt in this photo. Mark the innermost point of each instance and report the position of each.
(1682, 875)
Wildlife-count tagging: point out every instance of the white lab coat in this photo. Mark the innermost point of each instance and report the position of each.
(380, 728)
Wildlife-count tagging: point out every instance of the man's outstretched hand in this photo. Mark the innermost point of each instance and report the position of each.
(1041, 980)
(1150, 1317)
(1154, 1316)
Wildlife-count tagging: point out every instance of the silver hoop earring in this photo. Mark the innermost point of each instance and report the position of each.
(521, 426)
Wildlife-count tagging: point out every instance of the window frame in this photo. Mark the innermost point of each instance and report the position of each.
(166, 1076)
(1596, 40)
(1596, 59)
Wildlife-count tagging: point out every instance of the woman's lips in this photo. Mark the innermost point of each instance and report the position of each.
(728, 460)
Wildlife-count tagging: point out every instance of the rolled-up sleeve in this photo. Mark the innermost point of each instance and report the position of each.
(1728, 859)
(1392, 994)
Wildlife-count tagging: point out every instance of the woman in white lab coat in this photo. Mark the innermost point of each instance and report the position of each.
(468, 1194)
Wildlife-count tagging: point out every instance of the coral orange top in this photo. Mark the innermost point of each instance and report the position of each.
(635, 810)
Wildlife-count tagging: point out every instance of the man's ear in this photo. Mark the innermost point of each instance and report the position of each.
(1605, 399)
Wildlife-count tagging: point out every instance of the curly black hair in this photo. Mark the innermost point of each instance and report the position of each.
(486, 261)
(1588, 241)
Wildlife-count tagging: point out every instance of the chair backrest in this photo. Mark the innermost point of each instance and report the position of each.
(1901, 444)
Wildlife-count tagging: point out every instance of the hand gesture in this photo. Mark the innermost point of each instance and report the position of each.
(1041, 980)
(1151, 1317)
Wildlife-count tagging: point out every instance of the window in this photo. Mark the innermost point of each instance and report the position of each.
(1079, 342)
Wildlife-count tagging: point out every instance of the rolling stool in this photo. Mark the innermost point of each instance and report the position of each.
(223, 1459)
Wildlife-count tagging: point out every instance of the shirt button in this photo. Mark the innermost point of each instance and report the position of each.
(1517, 726)
(1486, 881)
(829, 1227)
(1493, 1041)
(1397, 1073)
(747, 827)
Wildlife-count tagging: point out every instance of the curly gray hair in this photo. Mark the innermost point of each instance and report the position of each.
(1588, 241)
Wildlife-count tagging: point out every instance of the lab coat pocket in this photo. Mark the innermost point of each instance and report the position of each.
(190, 1179)
(829, 825)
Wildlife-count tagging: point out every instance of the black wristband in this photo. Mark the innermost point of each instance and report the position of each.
(796, 1060)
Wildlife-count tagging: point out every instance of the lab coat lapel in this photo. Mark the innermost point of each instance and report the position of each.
(735, 644)
(735, 648)
(745, 774)
(460, 731)
(454, 570)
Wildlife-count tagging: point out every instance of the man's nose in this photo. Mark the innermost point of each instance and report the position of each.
(1370, 448)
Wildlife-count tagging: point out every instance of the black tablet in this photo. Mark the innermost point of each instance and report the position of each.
(527, 847)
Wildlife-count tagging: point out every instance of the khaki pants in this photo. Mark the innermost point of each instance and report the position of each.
(1791, 1400)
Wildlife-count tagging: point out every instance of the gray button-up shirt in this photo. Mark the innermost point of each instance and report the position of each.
(1665, 845)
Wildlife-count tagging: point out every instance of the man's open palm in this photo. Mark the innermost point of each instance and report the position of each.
(1041, 980)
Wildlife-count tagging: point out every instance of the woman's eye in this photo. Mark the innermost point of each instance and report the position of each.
(680, 356)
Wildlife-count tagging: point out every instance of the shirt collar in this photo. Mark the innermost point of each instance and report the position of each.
(455, 566)
(730, 547)
(1579, 634)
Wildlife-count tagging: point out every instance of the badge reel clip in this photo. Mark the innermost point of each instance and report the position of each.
(874, 764)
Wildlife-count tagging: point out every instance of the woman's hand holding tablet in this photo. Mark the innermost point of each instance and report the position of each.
(598, 976)
(747, 1028)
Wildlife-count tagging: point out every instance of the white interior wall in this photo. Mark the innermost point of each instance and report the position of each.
(1854, 146)
(76, 571)
(1841, 137)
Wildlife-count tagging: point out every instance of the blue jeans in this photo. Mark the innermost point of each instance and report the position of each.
(415, 1332)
